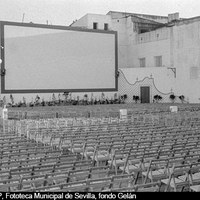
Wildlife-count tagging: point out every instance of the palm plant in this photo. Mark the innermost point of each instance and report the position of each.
(172, 97)
(136, 98)
(182, 98)
(157, 98)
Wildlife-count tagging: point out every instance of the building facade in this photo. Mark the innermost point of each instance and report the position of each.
(163, 49)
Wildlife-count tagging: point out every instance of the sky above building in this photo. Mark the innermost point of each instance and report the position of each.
(64, 12)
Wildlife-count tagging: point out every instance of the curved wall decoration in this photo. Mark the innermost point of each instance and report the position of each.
(125, 87)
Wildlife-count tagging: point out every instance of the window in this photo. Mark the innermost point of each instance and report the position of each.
(95, 25)
(143, 30)
(142, 62)
(194, 72)
(158, 61)
(105, 26)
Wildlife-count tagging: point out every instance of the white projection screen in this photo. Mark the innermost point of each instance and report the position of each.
(44, 58)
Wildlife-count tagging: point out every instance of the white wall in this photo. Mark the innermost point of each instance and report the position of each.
(119, 25)
(88, 20)
(100, 19)
(163, 78)
(161, 19)
(186, 37)
(179, 47)
(82, 22)
(148, 45)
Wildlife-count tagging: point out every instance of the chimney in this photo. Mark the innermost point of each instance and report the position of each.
(173, 17)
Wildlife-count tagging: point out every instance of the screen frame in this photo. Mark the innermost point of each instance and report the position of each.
(3, 67)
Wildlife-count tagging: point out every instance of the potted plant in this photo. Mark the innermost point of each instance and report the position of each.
(37, 100)
(85, 99)
(136, 98)
(172, 97)
(65, 94)
(43, 102)
(95, 101)
(125, 96)
(70, 98)
(182, 98)
(115, 96)
(157, 98)
(59, 99)
(12, 100)
(19, 104)
(53, 99)
(24, 101)
(115, 100)
(31, 104)
(103, 99)
(91, 99)
(4, 100)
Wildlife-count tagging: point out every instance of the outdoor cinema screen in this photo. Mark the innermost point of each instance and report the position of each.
(45, 58)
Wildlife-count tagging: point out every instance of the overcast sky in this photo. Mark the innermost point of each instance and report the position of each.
(63, 12)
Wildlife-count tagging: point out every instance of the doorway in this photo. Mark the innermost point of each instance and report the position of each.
(145, 94)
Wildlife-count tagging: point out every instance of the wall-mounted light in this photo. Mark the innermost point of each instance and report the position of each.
(173, 70)
(117, 74)
(2, 71)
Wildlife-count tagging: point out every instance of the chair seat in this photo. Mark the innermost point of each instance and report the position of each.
(195, 188)
(77, 150)
(165, 181)
(183, 177)
(196, 176)
(118, 162)
(52, 189)
(154, 173)
(102, 157)
(129, 169)
(149, 189)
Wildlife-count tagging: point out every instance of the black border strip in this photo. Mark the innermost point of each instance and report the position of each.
(2, 58)
(4, 91)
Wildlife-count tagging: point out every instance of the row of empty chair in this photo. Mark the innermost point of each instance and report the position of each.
(98, 111)
(140, 153)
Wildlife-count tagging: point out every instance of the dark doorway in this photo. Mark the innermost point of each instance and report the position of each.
(145, 94)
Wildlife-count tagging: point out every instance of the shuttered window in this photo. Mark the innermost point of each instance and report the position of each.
(158, 61)
(142, 62)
